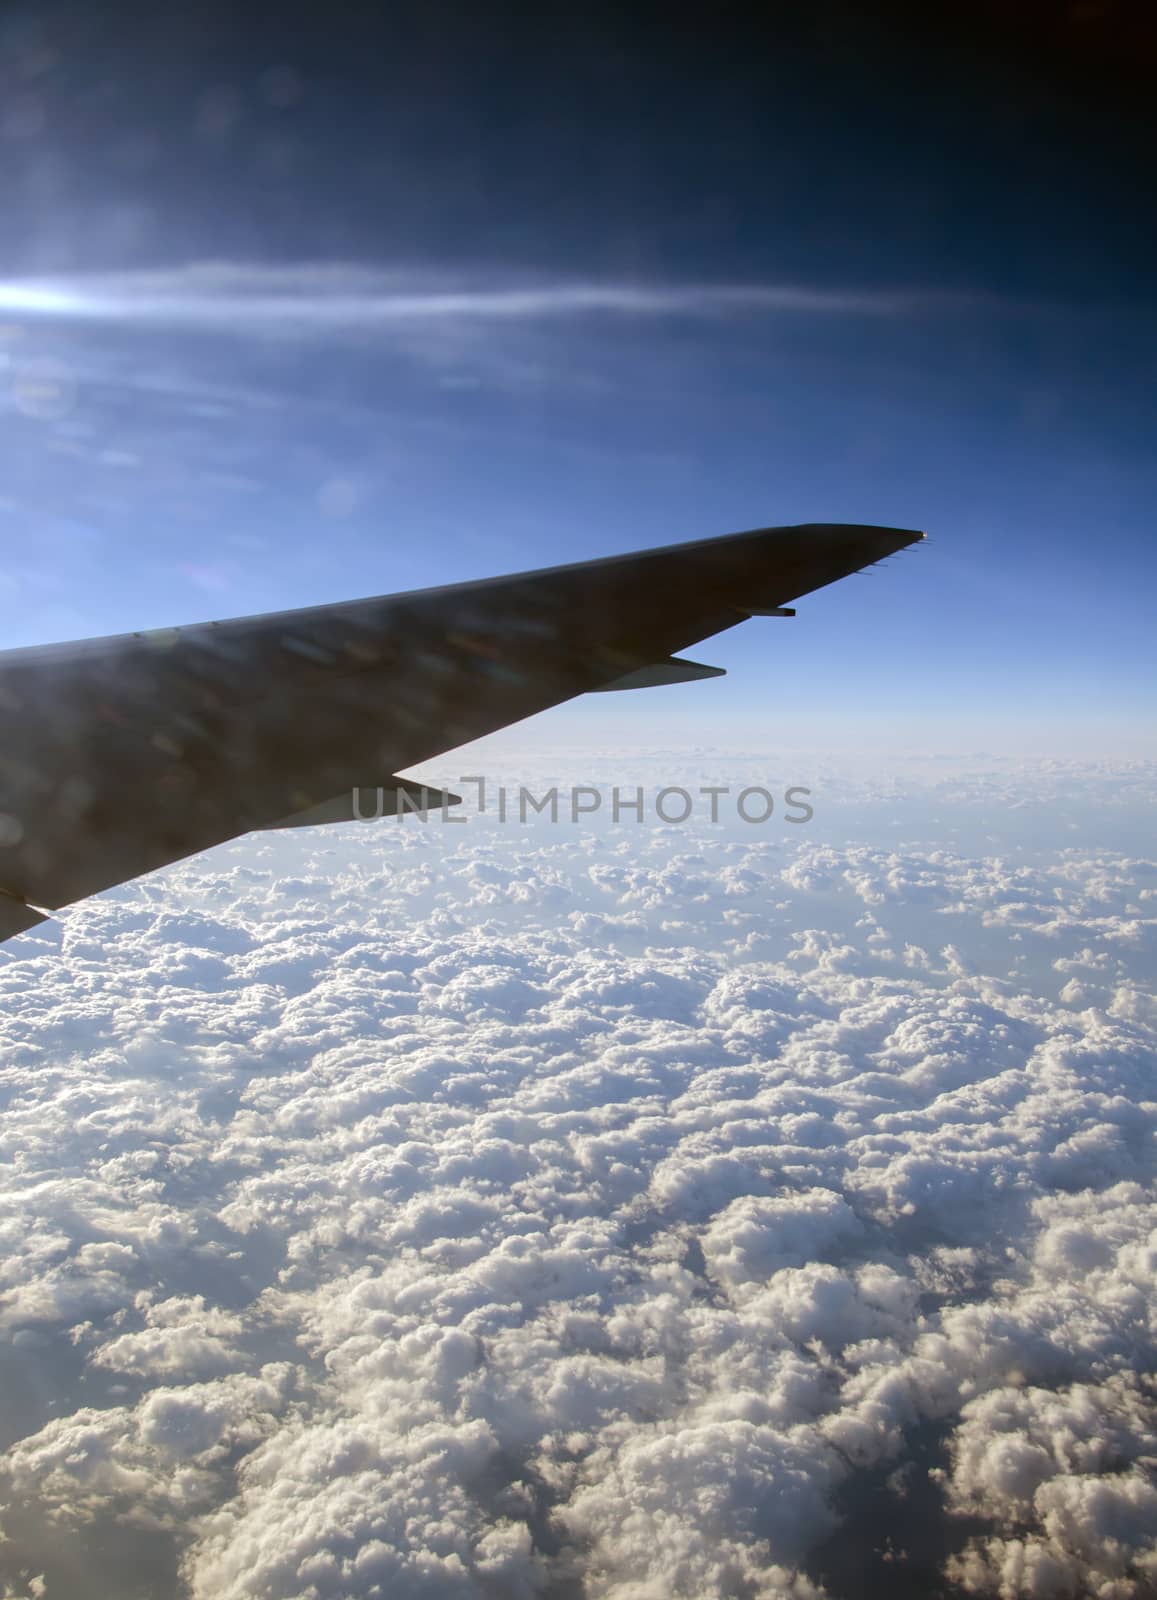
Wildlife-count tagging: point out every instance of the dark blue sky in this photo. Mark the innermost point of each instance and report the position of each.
(961, 147)
(964, 198)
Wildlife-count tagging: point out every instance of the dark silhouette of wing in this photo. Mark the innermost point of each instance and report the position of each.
(124, 754)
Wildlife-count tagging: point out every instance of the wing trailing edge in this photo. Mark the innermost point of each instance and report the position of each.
(660, 673)
(370, 802)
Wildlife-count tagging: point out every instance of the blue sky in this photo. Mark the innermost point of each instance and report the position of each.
(941, 326)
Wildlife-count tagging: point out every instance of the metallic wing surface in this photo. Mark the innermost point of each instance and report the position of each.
(124, 754)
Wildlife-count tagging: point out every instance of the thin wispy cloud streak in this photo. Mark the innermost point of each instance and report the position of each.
(323, 298)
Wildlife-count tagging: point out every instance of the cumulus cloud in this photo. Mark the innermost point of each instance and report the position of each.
(182, 1336)
(509, 1215)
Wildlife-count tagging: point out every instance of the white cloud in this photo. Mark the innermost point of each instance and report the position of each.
(182, 1337)
(324, 298)
(372, 1249)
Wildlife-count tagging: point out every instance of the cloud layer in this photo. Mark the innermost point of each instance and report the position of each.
(490, 1215)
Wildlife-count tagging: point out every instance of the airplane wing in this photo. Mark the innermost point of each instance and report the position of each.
(123, 754)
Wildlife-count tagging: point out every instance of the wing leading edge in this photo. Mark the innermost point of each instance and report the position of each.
(127, 753)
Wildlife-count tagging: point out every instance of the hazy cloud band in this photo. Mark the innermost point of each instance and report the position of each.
(319, 298)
